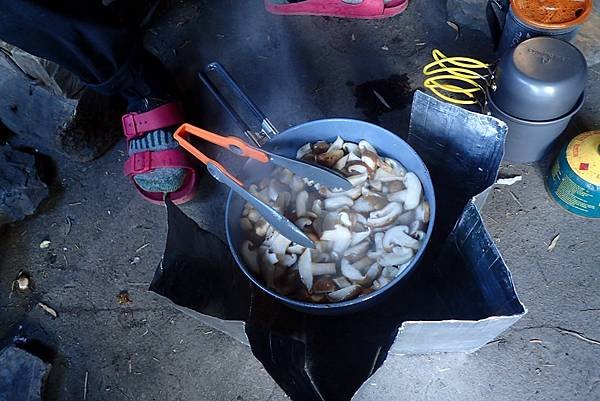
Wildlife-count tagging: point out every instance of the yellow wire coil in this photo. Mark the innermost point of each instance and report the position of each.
(445, 74)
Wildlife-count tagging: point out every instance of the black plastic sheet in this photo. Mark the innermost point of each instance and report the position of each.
(459, 297)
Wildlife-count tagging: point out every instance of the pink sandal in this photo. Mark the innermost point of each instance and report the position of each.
(136, 125)
(367, 9)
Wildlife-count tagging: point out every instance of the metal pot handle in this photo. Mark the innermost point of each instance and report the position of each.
(496, 11)
(267, 130)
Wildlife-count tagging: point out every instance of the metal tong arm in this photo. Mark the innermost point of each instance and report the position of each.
(268, 129)
(231, 143)
(279, 222)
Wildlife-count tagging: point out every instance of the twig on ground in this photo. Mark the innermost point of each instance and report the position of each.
(85, 381)
(577, 335)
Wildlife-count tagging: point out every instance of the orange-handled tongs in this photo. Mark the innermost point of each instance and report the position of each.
(321, 175)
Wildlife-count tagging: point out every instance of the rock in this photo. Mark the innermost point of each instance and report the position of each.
(21, 190)
(50, 109)
(22, 375)
(468, 14)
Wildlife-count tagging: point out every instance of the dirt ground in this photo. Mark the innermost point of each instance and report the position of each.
(105, 239)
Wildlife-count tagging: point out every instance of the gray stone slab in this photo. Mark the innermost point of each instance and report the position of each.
(22, 375)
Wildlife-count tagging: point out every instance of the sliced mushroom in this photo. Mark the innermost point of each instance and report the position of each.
(250, 256)
(365, 146)
(398, 256)
(420, 235)
(245, 224)
(391, 166)
(369, 203)
(344, 293)
(283, 200)
(385, 216)
(363, 264)
(353, 193)
(261, 227)
(398, 235)
(389, 272)
(358, 179)
(422, 212)
(395, 186)
(350, 147)
(286, 177)
(276, 188)
(414, 188)
(320, 147)
(342, 282)
(303, 222)
(370, 158)
(376, 185)
(353, 157)
(317, 207)
(380, 282)
(378, 239)
(340, 238)
(263, 195)
(296, 249)
(337, 202)
(287, 260)
(305, 269)
(297, 183)
(340, 164)
(357, 251)
(279, 244)
(337, 144)
(350, 272)
(372, 274)
(301, 203)
(344, 218)
(385, 176)
(360, 236)
(304, 150)
(329, 221)
(415, 226)
(318, 256)
(320, 269)
(329, 158)
(358, 167)
(253, 215)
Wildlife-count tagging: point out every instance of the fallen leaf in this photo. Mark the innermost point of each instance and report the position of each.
(123, 298)
(48, 309)
(509, 180)
(135, 260)
(454, 26)
(553, 242)
(45, 244)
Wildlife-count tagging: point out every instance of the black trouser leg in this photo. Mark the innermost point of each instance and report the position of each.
(85, 38)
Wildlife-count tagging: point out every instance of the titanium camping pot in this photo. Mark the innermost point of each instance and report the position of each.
(287, 143)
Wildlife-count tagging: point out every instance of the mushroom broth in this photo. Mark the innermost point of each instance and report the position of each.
(364, 236)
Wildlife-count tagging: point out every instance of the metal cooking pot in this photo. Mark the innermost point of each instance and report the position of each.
(287, 143)
(539, 80)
